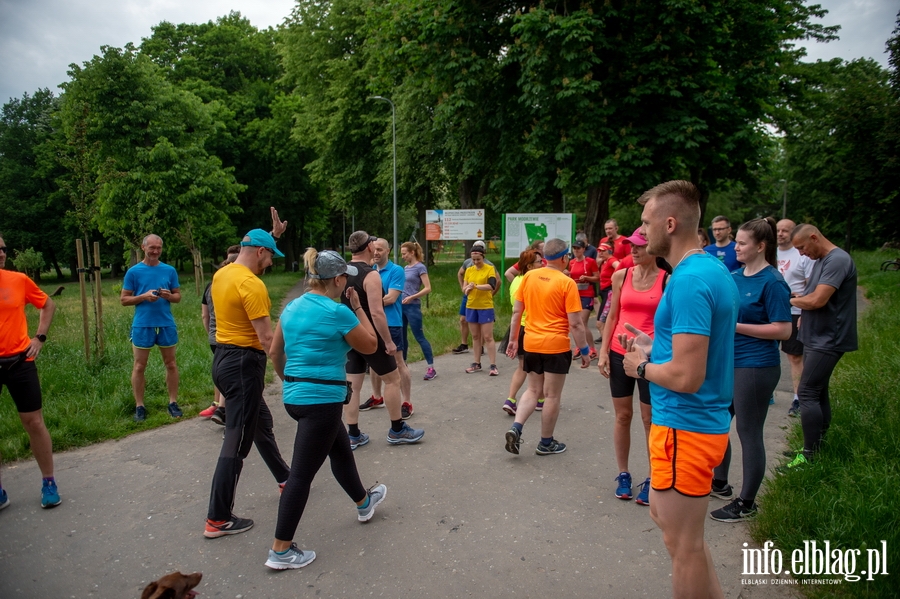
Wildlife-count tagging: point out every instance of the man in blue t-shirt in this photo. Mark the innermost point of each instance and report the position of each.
(723, 248)
(151, 286)
(393, 278)
(690, 366)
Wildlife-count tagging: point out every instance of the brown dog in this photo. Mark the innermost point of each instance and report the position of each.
(173, 586)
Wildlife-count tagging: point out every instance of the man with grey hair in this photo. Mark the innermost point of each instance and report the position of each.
(554, 311)
(827, 330)
(151, 286)
(367, 284)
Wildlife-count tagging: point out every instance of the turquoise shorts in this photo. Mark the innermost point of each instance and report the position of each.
(147, 337)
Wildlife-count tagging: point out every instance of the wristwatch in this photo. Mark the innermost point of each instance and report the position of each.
(41, 338)
(641, 369)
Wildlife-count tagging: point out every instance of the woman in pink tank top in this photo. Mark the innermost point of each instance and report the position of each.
(635, 296)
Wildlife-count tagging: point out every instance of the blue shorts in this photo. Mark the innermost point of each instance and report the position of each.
(147, 337)
(462, 306)
(396, 337)
(479, 316)
(587, 303)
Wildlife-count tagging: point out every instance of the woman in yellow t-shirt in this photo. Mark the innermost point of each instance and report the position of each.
(528, 260)
(479, 282)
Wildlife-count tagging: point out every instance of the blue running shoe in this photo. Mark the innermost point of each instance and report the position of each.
(623, 488)
(4, 499)
(355, 442)
(643, 496)
(405, 435)
(49, 495)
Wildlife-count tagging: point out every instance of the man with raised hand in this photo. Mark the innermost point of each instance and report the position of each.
(367, 284)
(723, 248)
(243, 339)
(827, 330)
(795, 269)
(393, 278)
(554, 311)
(151, 286)
(18, 372)
(690, 367)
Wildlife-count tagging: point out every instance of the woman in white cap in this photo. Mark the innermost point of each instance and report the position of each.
(308, 351)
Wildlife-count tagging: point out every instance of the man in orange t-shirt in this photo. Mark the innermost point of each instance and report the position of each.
(18, 371)
(554, 310)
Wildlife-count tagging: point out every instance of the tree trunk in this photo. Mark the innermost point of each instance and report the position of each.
(556, 198)
(55, 263)
(696, 179)
(597, 211)
(467, 199)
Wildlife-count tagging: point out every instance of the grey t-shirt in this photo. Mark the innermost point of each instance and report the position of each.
(832, 327)
(207, 301)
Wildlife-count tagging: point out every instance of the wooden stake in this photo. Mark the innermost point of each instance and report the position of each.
(84, 309)
(99, 294)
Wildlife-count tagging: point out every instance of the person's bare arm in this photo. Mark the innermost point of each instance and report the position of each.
(372, 284)
(391, 298)
(773, 330)
(512, 346)
(128, 298)
(173, 296)
(511, 273)
(44, 321)
(204, 314)
(579, 335)
(263, 328)
(276, 351)
(460, 276)
(815, 300)
(684, 373)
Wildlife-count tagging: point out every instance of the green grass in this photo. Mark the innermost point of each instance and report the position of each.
(87, 403)
(848, 495)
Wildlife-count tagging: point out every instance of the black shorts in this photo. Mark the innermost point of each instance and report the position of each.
(604, 293)
(520, 352)
(622, 385)
(24, 386)
(379, 362)
(552, 363)
(213, 347)
(792, 346)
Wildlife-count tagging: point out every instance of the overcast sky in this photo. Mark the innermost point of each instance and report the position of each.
(40, 38)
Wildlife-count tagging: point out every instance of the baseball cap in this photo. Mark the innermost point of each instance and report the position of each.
(579, 244)
(604, 247)
(478, 243)
(330, 264)
(637, 238)
(261, 239)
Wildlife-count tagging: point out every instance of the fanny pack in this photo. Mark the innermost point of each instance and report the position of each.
(8, 362)
(299, 379)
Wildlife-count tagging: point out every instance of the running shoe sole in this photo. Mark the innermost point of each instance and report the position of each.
(509, 410)
(212, 532)
(512, 442)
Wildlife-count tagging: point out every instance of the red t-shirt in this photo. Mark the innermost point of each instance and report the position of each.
(587, 267)
(16, 290)
(621, 246)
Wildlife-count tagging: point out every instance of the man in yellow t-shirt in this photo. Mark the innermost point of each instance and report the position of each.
(243, 338)
(554, 310)
(479, 283)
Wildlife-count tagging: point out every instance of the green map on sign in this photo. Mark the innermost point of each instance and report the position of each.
(535, 232)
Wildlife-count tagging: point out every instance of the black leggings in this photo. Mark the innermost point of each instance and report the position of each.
(320, 433)
(752, 389)
(815, 407)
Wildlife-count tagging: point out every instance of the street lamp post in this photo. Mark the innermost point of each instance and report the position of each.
(394, 132)
(784, 199)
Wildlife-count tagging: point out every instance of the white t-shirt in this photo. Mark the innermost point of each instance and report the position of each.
(795, 269)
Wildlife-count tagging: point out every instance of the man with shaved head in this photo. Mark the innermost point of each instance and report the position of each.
(151, 287)
(827, 330)
(689, 363)
(795, 269)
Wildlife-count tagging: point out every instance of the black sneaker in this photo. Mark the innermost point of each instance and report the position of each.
(174, 410)
(553, 447)
(219, 416)
(794, 410)
(726, 492)
(513, 440)
(460, 349)
(232, 526)
(140, 414)
(736, 511)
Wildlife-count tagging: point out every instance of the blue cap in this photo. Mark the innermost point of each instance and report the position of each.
(261, 239)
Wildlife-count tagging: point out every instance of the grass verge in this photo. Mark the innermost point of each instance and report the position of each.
(846, 495)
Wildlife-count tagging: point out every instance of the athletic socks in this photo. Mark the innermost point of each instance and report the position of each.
(353, 430)
(365, 504)
(518, 427)
(48, 479)
(397, 425)
(546, 440)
